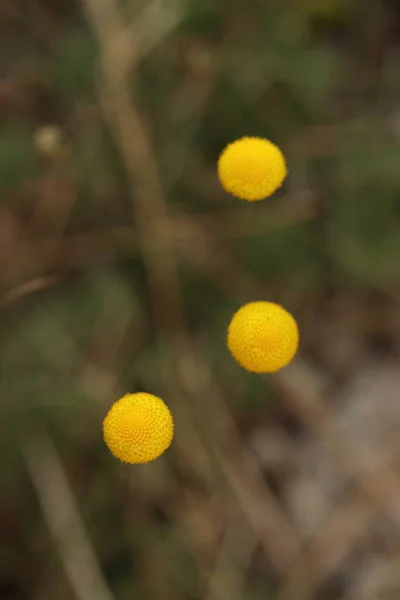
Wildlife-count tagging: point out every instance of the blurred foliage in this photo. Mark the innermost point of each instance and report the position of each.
(320, 78)
(17, 155)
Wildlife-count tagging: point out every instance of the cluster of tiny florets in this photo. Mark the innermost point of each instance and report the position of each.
(138, 428)
(251, 168)
(262, 336)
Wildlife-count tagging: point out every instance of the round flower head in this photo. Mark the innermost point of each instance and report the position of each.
(138, 428)
(251, 168)
(262, 337)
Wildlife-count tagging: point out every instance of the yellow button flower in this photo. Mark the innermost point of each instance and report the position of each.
(138, 428)
(251, 168)
(262, 337)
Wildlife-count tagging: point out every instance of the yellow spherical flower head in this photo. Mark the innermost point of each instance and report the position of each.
(263, 337)
(251, 168)
(138, 428)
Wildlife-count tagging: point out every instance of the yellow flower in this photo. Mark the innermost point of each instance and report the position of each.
(251, 168)
(138, 428)
(262, 337)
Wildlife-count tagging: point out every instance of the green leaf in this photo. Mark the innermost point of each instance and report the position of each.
(200, 18)
(364, 234)
(97, 164)
(17, 155)
(367, 156)
(280, 255)
(312, 74)
(73, 65)
(364, 224)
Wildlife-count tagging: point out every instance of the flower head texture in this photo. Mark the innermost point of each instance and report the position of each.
(251, 168)
(262, 337)
(138, 428)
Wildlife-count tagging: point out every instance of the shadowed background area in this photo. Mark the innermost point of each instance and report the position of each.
(122, 261)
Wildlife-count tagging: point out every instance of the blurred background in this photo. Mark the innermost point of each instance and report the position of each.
(122, 261)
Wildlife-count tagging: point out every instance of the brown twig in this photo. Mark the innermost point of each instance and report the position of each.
(229, 575)
(149, 213)
(62, 516)
(26, 289)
